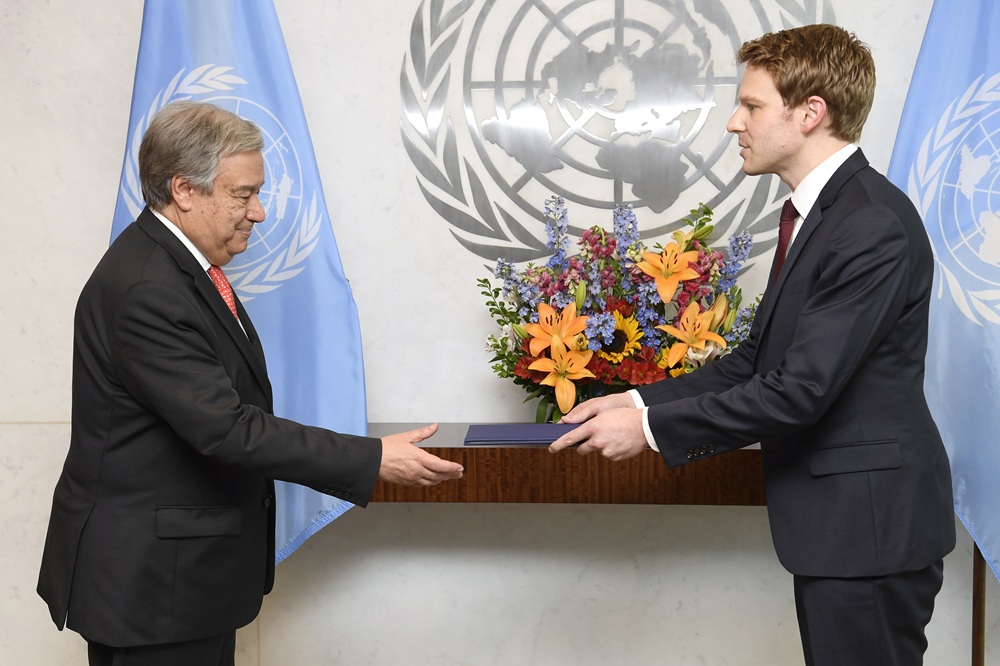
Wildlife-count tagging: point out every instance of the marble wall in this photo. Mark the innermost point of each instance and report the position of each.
(391, 584)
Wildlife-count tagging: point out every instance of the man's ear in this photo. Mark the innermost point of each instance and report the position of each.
(815, 113)
(181, 190)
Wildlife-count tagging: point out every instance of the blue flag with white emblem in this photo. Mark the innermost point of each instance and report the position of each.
(947, 159)
(231, 53)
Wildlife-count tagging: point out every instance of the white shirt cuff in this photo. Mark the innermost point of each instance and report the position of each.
(637, 399)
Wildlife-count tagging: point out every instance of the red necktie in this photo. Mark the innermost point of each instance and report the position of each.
(225, 289)
(785, 226)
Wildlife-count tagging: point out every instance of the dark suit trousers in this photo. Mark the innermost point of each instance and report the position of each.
(875, 621)
(211, 651)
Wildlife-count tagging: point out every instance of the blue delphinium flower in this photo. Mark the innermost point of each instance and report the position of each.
(528, 294)
(561, 299)
(739, 251)
(506, 271)
(594, 301)
(557, 229)
(626, 231)
(600, 330)
(741, 326)
(646, 313)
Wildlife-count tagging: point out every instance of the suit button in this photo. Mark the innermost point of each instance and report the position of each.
(690, 455)
(267, 502)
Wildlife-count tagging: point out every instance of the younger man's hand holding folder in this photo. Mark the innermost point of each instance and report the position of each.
(610, 424)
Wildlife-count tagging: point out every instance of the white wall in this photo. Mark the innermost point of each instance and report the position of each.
(392, 584)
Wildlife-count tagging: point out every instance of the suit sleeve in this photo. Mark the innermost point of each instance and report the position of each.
(177, 362)
(721, 375)
(858, 294)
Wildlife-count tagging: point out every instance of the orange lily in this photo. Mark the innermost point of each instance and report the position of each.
(669, 268)
(719, 311)
(554, 328)
(563, 368)
(695, 331)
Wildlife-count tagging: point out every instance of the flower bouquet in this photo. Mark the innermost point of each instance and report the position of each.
(616, 315)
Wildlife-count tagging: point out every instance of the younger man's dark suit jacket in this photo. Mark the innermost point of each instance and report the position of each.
(162, 525)
(831, 385)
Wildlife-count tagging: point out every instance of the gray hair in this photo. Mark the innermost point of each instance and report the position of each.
(187, 139)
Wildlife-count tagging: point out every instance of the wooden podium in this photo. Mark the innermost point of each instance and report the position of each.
(533, 475)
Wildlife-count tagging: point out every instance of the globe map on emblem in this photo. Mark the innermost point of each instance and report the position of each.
(600, 102)
(969, 201)
(281, 195)
(633, 109)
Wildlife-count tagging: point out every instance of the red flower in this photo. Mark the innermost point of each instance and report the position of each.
(521, 369)
(641, 369)
(683, 299)
(604, 371)
(614, 304)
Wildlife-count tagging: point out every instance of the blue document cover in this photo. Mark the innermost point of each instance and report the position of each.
(516, 434)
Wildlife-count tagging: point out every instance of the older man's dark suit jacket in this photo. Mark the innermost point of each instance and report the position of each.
(162, 525)
(831, 384)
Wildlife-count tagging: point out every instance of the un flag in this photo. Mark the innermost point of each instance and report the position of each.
(947, 158)
(231, 53)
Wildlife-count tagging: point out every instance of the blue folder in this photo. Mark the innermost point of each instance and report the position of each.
(516, 434)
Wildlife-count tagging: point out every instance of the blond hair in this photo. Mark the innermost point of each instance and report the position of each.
(822, 60)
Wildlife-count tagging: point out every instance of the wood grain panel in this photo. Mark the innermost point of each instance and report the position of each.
(528, 474)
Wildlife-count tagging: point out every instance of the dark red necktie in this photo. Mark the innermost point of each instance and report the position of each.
(785, 227)
(225, 289)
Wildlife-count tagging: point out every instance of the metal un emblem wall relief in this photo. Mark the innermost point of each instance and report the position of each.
(507, 102)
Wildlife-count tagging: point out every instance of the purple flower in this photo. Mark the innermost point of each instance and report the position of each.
(556, 227)
(739, 251)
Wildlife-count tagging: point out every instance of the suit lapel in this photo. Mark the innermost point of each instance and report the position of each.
(827, 196)
(248, 343)
(250, 336)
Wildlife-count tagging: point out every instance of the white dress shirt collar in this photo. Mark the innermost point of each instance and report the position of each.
(195, 252)
(176, 231)
(805, 195)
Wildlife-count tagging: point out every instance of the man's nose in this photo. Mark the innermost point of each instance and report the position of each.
(735, 123)
(255, 209)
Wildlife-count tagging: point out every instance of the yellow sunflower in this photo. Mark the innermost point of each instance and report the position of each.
(625, 341)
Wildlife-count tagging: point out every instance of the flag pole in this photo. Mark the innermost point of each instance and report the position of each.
(978, 607)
